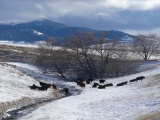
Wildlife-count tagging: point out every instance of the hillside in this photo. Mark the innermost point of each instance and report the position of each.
(15, 85)
(43, 29)
(134, 101)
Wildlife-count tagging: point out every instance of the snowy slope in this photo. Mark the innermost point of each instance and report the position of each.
(114, 103)
(14, 87)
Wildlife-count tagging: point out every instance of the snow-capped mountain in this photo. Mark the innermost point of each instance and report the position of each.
(43, 29)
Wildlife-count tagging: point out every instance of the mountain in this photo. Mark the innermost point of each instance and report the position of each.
(43, 29)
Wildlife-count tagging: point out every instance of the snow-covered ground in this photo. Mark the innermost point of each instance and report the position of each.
(113, 103)
(15, 79)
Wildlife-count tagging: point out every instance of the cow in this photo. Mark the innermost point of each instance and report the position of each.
(66, 90)
(90, 79)
(79, 82)
(54, 86)
(95, 84)
(101, 87)
(82, 84)
(33, 87)
(101, 81)
(124, 83)
(44, 84)
(109, 85)
(140, 78)
(88, 82)
(120, 84)
(42, 88)
(133, 80)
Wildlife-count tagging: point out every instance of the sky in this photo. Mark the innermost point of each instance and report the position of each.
(131, 16)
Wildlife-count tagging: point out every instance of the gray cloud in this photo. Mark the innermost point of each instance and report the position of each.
(127, 15)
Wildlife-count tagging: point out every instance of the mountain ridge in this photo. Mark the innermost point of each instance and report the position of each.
(43, 29)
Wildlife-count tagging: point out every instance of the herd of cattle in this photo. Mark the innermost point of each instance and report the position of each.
(101, 84)
(44, 86)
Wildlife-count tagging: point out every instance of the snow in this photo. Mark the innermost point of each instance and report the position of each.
(38, 33)
(15, 82)
(20, 44)
(113, 103)
(15, 85)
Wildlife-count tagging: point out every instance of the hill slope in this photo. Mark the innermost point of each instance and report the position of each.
(128, 102)
(14, 87)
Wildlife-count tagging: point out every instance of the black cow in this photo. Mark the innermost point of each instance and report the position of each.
(42, 88)
(90, 79)
(88, 82)
(95, 85)
(124, 83)
(44, 84)
(66, 90)
(109, 85)
(82, 84)
(33, 87)
(79, 82)
(120, 84)
(101, 87)
(133, 80)
(140, 78)
(101, 81)
(54, 86)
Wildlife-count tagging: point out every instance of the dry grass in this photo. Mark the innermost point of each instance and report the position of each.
(16, 53)
(150, 116)
(4, 106)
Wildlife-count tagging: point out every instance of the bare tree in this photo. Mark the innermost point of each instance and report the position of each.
(105, 51)
(84, 55)
(146, 45)
(80, 44)
(53, 57)
(93, 53)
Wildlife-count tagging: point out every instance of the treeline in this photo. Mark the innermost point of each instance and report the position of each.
(86, 56)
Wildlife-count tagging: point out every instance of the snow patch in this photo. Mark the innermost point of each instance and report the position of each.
(38, 33)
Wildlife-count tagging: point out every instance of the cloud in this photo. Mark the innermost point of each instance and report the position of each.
(136, 32)
(95, 14)
(132, 4)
